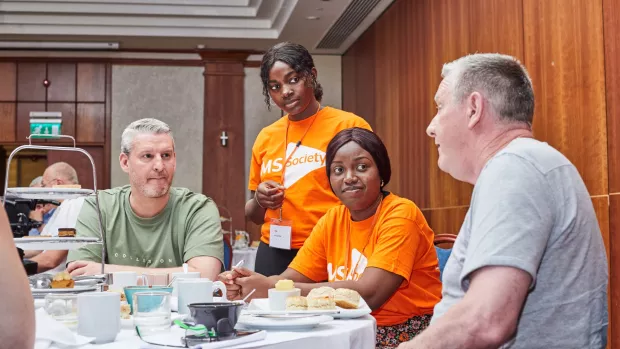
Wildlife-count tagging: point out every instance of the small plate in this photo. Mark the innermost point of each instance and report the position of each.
(53, 243)
(283, 324)
(260, 307)
(41, 292)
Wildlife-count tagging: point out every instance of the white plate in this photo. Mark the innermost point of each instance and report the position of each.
(41, 292)
(260, 307)
(53, 243)
(284, 324)
(47, 193)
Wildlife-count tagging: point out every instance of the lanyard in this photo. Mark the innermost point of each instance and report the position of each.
(372, 228)
(296, 146)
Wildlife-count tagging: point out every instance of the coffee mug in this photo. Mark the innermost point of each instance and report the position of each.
(181, 275)
(122, 279)
(197, 291)
(99, 315)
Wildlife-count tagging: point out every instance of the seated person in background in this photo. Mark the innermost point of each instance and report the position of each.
(41, 213)
(376, 243)
(17, 324)
(59, 173)
(149, 224)
(528, 269)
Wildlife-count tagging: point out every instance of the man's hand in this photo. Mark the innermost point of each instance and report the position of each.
(79, 268)
(36, 214)
(270, 194)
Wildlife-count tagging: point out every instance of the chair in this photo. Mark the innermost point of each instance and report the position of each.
(228, 252)
(443, 253)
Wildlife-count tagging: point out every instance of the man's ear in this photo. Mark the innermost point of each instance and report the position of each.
(123, 159)
(475, 106)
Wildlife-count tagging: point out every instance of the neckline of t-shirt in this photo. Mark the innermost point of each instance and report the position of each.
(163, 215)
(306, 120)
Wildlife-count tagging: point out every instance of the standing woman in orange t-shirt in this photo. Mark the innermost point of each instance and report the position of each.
(290, 190)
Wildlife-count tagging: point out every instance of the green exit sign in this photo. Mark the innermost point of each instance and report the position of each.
(45, 128)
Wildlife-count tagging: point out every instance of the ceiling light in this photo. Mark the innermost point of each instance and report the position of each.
(312, 18)
(57, 45)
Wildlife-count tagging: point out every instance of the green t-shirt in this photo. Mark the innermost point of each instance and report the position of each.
(189, 226)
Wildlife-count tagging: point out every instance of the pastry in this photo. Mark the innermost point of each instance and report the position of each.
(72, 186)
(346, 298)
(296, 303)
(321, 298)
(66, 232)
(122, 293)
(125, 310)
(62, 280)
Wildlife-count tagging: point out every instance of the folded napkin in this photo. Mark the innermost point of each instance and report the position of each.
(51, 333)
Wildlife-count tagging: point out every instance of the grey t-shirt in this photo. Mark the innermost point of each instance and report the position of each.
(531, 210)
(188, 227)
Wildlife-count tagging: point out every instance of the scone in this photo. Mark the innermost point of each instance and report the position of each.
(62, 280)
(296, 303)
(321, 298)
(66, 232)
(125, 310)
(346, 298)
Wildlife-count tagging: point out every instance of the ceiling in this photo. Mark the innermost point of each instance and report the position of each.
(322, 26)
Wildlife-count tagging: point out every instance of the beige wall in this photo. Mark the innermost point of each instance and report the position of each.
(171, 94)
(175, 95)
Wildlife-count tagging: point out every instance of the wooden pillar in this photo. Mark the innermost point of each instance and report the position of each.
(223, 169)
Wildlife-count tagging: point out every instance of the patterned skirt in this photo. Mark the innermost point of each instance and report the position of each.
(392, 336)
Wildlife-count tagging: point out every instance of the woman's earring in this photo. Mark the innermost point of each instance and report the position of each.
(382, 183)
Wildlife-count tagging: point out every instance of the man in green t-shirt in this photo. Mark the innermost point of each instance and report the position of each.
(149, 224)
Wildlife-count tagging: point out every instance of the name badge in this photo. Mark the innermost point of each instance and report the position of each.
(280, 234)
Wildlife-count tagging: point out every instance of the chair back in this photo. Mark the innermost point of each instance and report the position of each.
(443, 245)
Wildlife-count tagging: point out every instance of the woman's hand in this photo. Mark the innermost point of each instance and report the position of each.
(270, 194)
(233, 291)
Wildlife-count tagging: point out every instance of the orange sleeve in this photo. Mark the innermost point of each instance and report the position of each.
(395, 249)
(363, 124)
(311, 260)
(255, 166)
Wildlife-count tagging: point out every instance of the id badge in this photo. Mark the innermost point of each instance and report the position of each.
(280, 233)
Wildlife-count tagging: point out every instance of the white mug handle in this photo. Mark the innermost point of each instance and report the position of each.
(145, 280)
(220, 286)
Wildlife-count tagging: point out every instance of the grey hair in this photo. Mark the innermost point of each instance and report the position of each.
(36, 182)
(502, 79)
(148, 126)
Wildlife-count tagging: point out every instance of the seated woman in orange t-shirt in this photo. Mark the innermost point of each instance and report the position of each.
(376, 243)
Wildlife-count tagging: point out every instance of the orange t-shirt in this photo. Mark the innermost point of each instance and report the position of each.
(401, 243)
(307, 195)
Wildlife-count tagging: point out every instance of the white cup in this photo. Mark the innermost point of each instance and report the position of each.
(122, 279)
(181, 275)
(197, 291)
(277, 298)
(99, 315)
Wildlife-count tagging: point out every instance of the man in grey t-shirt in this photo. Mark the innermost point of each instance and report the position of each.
(528, 269)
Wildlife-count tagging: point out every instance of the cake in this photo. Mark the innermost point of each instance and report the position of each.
(62, 280)
(66, 232)
(321, 298)
(71, 186)
(346, 298)
(296, 303)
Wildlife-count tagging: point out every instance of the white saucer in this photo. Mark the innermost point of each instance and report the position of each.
(283, 324)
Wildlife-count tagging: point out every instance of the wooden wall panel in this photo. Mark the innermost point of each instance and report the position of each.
(611, 16)
(8, 82)
(496, 26)
(30, 86)
(7, 122)
(614, 259)
(68, 119)
(91, 82)
(565, 57)
(91, 122)
(223, 111)
(62, 78)
(23, 119)
(446, 220)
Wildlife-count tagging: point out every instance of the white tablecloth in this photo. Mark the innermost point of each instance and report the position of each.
(247, 254)
(355, 333)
